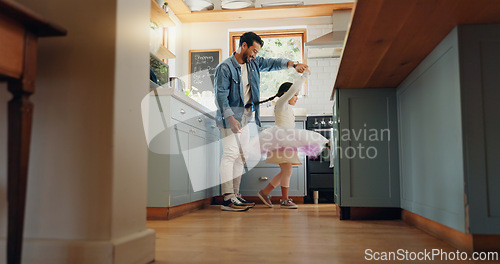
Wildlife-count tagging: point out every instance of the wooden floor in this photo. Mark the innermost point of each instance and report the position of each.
(310, 234)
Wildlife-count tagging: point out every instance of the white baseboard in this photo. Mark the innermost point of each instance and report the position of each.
(134, 249)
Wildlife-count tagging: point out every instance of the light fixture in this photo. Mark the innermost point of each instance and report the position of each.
(285, 3)
(199, 5)
(236, 4)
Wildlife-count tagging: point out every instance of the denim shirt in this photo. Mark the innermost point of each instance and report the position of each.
(229, 89)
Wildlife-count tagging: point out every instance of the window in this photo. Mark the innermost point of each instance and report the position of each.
(287, 44)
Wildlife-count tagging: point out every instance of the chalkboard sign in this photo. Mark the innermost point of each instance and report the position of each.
(202, 65)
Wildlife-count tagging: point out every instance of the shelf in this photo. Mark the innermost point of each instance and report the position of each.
(261, 13)
(159, 16)
(388, 39)
(164, 53)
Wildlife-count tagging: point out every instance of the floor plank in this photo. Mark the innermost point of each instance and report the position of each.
(311, 234)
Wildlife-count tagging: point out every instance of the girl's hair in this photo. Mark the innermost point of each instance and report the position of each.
(284, 87)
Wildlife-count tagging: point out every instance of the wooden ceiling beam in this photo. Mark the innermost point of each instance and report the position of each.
(253, 13)
(178, 7)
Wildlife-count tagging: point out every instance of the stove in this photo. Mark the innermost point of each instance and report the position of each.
(319, 173)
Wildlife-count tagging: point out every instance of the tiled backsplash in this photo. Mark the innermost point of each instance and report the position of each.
(320, 85)
(323, 73)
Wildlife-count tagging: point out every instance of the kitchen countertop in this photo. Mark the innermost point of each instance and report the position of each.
(388, 39)
(268, 118)
(185, 99)
(203, 109)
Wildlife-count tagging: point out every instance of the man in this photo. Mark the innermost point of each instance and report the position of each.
(236, 83)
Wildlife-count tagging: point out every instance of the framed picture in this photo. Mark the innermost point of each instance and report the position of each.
(202, 65)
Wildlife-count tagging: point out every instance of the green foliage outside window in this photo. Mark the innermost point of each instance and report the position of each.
(282, 47)
(278, 47)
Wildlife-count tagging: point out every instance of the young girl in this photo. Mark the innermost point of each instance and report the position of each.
(283, 142)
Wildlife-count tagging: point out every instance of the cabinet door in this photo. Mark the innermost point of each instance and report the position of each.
(258, 178)
(213, 165)
(197, 164)
(158, 185)
(369, 161)
(335, 149)
(179, 177)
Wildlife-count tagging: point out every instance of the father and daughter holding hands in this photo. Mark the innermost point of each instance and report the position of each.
(236, 84)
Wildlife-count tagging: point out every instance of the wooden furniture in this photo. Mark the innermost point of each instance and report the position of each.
(185, 15)
(159, 16)
(19, 30)
(163, 20)
(387, 39)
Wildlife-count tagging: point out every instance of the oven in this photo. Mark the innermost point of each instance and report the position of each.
(319, 173)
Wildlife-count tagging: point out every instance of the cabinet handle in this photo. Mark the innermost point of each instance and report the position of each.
(214, 126)
(263, 178)
(199, 119)
(182, 111)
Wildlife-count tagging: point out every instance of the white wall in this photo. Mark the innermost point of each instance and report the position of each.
(215, 35)
(87, 172)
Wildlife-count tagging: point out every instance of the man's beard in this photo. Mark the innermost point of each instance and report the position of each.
(245, 56)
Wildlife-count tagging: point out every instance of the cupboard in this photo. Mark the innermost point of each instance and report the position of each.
(365, 155)
(183, 162)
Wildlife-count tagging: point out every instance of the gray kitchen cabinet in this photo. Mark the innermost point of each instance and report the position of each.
(184, 168)
(197, 164)
(449, 123)
(258, 177)
(366, 168)
(213, 167)
(178, 173)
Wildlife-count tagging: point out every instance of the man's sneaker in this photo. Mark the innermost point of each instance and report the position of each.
(266, 199)
(243, 201)
(288, 204)
(233, 204)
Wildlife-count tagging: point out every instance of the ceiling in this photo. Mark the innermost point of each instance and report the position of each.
(310, 8)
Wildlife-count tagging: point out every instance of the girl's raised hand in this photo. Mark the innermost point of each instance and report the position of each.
(300, 68)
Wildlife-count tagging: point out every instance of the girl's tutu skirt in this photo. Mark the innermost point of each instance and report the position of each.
(284, 145)
(287, 155)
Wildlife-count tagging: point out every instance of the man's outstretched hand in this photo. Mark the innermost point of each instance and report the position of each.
(235, 125)
(300, 68)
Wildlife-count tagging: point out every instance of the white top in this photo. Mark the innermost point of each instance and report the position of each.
(283, 112)
(247, 94)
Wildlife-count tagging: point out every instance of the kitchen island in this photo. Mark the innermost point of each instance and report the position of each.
(441, 60)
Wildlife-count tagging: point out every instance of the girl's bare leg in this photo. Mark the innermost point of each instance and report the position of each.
(284, 193)
(276, 180)
(286, 173)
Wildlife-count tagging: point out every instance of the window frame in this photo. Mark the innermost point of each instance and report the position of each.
(302, 33)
